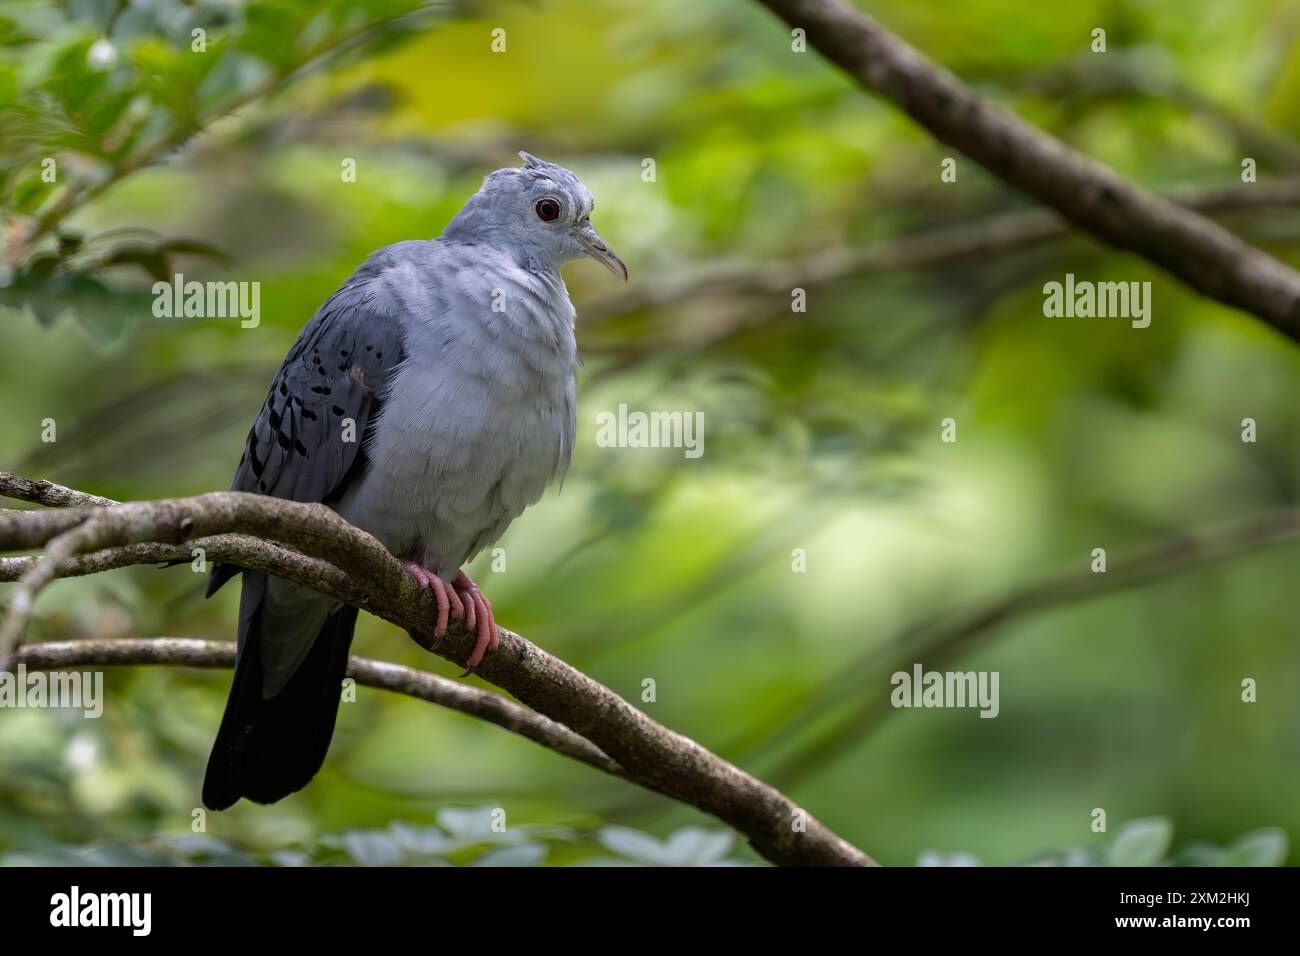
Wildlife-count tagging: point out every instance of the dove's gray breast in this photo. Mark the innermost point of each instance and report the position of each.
(480, 415)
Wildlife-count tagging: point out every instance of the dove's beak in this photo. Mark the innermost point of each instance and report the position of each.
(587, 235)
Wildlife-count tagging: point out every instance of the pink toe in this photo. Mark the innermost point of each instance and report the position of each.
(471, 610)
(478, 618)
(440, 591)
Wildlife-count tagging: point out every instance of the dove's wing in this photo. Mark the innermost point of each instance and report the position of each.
(308, 444)
(309, 441)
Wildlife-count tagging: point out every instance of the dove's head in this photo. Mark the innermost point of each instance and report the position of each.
(541, 210)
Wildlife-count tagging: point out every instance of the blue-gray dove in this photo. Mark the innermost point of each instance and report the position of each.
(429, 401)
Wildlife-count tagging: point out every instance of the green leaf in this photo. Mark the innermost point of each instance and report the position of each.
(634, 845)
(1197, 853)
(936, 858)
(475, 823)
(1265, 847)
(290, 858)
(696, 846)
(420, 841)
(521, 854)
(1141, 842)
(372, 848)
(689, 846)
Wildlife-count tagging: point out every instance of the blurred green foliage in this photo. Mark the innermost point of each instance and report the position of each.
(471, 838)
(822, 427)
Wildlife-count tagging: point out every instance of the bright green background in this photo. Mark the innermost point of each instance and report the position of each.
(822, 428)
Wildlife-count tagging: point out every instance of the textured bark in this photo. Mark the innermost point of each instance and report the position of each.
(344, 562)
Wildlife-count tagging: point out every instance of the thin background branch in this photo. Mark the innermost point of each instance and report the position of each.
(454, 695)
(944, 637)
(1094, 197)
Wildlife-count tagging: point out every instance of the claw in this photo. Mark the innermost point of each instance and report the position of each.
(479, 617)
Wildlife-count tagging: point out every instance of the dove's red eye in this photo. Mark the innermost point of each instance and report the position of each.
(548, 210)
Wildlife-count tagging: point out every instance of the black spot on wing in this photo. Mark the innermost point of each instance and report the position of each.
(335, 373)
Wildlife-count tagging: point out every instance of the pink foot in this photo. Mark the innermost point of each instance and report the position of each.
(478, 613)
(448, 600)
(461, 598)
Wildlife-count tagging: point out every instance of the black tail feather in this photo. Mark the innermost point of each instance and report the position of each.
(268, 749)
